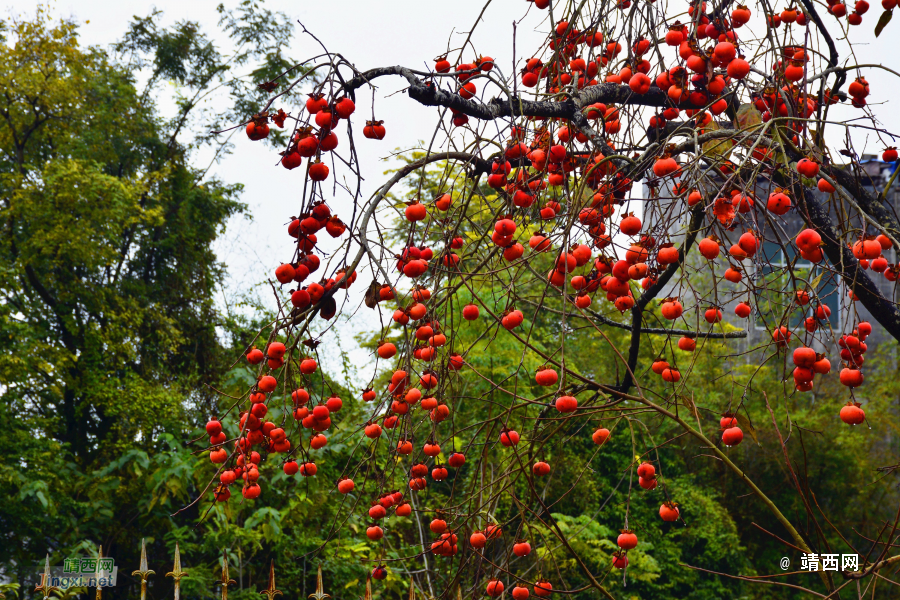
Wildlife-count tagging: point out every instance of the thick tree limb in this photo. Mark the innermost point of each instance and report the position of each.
(867, 200)
(842, 259)
(426, 93)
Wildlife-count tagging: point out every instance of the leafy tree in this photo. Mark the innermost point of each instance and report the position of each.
(110, 335)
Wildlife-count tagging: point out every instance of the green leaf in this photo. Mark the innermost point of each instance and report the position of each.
(883, 20)
(814, 284)
(744, 422)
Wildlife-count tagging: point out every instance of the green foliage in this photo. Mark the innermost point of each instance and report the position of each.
(834, 464)
(186, 57)
(108, 328)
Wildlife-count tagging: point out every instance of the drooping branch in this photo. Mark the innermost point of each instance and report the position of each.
(842, 259)
(637, 311)
(838, 253)
(707, 443)
(298, 316)
(590, 315)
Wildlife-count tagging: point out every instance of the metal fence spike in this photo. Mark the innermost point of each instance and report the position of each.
(270, 592)
(45, 587)
(320, 589)
(144, 572)
(97, 573)
(225, 581)
(177, 573)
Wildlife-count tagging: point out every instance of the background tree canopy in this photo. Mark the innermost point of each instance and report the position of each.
(110, 342)
(109, 329)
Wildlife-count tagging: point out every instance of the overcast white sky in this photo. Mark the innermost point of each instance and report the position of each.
(376, 33)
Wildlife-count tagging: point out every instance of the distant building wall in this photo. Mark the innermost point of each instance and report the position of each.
(776, 262)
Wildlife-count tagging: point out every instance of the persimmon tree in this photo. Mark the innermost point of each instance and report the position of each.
(520, 224)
